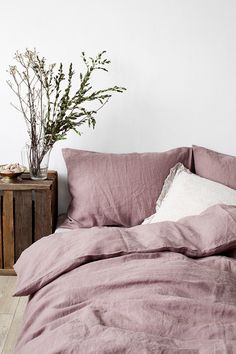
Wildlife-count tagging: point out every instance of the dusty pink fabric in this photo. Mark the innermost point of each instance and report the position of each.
(111, 290)
(215, 166)
(117, 189)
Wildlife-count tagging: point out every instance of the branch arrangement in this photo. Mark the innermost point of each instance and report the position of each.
(45, 97)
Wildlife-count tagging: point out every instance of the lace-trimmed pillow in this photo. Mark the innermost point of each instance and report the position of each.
(185, 194)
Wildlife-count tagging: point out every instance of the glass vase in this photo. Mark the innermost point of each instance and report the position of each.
(38, 160)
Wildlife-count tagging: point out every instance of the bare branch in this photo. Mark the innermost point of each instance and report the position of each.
(45, 100)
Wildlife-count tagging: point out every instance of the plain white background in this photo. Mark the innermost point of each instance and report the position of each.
(177, 59)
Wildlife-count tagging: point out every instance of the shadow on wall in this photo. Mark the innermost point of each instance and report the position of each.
(63, 194)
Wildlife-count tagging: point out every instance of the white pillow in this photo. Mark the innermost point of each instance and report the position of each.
(185, 193)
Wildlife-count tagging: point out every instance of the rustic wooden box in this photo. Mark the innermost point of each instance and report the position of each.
(28, 211)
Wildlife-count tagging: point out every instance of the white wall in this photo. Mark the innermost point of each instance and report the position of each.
(177, 59)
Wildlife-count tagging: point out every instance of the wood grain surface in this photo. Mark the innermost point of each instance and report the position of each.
(8, 229)
(28, 211)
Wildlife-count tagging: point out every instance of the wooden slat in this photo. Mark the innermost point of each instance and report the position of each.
(1, 244)
(11, 314)
(43, 216)
(8, 229)
(7, 272)
(5, 324)
(8, 303)
(26, 184)
(15, 327)
(23, 221)
(28, 212)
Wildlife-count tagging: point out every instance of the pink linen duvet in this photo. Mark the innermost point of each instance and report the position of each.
(158, 288)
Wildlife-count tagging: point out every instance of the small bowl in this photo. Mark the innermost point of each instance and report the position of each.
(10, 177)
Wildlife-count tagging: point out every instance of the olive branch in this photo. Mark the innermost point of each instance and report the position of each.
(45, 99)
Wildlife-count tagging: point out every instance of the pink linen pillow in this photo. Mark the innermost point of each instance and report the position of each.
(215, 166)
(117, 189)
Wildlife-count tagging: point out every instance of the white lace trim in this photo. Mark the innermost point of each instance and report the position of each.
(174, 171)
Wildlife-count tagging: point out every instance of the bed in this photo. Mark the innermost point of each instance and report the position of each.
(163, 281)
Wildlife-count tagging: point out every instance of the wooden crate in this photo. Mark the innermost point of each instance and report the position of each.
(28, 211)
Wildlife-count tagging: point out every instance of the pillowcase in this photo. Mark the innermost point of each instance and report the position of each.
(185, 194)
(117, 189)
(215, 166)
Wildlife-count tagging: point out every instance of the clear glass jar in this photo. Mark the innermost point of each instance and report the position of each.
(38, 160)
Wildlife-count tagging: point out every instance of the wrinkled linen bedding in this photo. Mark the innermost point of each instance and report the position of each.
(158, 288)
